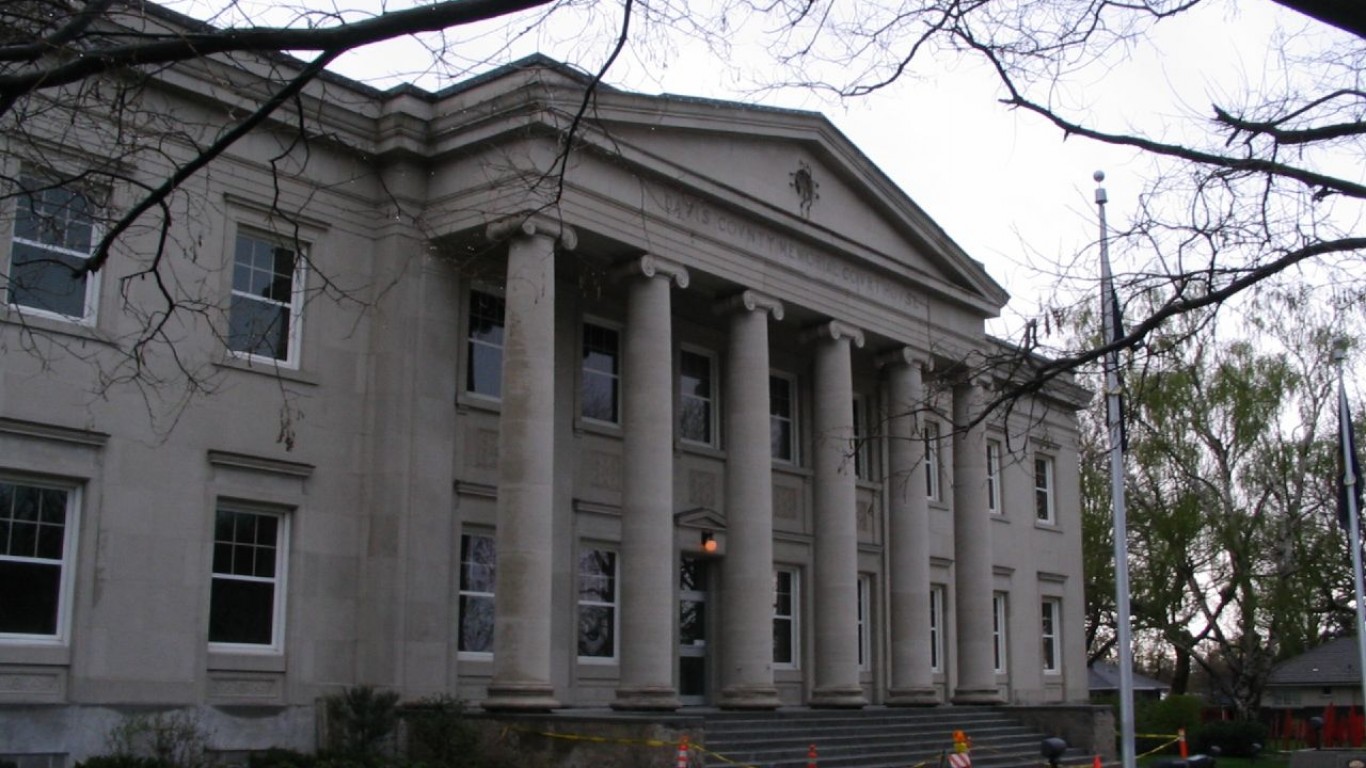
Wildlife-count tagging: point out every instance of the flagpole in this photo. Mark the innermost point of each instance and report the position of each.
(1114, 418)
(1349, 481)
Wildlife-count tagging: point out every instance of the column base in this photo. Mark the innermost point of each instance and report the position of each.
(647, 698)
(912, 697)
(749, 697)
(838, 697)
(977, 696)
(520, 697)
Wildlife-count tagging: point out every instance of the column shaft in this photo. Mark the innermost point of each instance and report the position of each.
(912, 679)
(972, 552)
(836, 526)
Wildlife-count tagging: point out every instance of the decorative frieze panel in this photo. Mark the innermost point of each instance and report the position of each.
(32, 685)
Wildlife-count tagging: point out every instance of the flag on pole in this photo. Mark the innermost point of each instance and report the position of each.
(1349, 479)
(1112, 324)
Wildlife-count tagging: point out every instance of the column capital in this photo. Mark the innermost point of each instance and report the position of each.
(750, 300)
(531, 225)
(834, 330)
(649, 265)
(904, 356)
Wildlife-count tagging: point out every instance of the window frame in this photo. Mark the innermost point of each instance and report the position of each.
(61, 635)
(792, 619)
(280, 581)
(28, 180)
(711, 403)
(1000, 614)
(585, 373)
(1050, 652)
(994, 478)
(465, 592)
(930, 434)
(294, 334)
(614, 605)
(936, 628)
(793, 457)
(1045, 496)
(471, 342)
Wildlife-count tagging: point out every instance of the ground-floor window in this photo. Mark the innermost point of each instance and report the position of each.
(597, 604)
(246, 604)
(865, 651)
(1052, 652)
(937, 627)
(998, 631)
(478, 568)
(37, 542)
(786, 648)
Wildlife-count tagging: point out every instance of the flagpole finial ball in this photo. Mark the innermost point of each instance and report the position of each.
(1099, 176)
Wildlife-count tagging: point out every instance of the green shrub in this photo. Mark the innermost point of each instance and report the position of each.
(173, 739)
(361, 722)
(122, 761)
(439, 735)
(1234, 738)
(276, 757)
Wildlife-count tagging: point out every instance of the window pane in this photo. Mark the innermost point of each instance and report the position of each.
(476, 624)
(782, 641)
(45, 279)
(595, 631)
(241, 612)
(258, 328)
(599, 397)
(780, 438)
(485, 375)
(29, 597)
(485, 370)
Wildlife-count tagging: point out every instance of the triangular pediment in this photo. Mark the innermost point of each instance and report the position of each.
(700, 518)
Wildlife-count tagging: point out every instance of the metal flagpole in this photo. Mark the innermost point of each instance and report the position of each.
(1349, 482)
(1109, 325)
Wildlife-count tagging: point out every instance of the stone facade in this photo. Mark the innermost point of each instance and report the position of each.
(648, 441)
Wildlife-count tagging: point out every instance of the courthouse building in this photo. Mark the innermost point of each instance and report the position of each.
(694, 423)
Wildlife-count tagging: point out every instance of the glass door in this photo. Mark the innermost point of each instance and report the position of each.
(692, 631)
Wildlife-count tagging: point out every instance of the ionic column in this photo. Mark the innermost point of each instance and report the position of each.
(972, 551)
(648, 604)
(522, 607)
(836, 680)
(908, 535)
(747, 572)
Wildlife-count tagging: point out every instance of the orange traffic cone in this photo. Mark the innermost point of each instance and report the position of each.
(811, 756)
(682, 753)
(1096, 763)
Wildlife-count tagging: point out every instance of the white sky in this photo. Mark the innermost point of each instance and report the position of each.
(1004, 185)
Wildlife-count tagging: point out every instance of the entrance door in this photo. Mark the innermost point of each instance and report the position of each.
(692, 631)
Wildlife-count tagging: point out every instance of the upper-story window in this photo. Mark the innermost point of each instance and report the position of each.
(37, 543)
(1044, 506)
(54, 233)
(267, 300)
(994, 476)
(601, 385)
(484, 368)
(930, 434)
(782, 420)
(697, 397)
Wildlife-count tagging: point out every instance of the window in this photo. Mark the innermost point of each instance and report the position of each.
(697, 399)
(478, 569)
(484, 371)
(246, 605)
(998, 631)
(597, 604)
(931, 435)
(785, 601)
(601, 374)
(267, 283)
(782, 414)
(1043, 489)
(54, 232)
(865, 589)
(860, 447)
(937, 627)
(37, 544)
(994, 477)
(1052, 651)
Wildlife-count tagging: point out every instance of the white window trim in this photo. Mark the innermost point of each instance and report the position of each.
(582, 372)
(301, 249)
(865, 603)
(1053, 606)
(936, 627)
(1049, 489)
(90, 303)
(794, 440)
(999, 634)
(793, 619)
(615, 605)
(66, 585)
(465, 388)
(281, 581)
(714, 426)
(994, 477)
(462, 592)
(933, 471)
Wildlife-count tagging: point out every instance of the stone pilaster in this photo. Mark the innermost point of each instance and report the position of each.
(972, 551)
(908, 535)
(526, 471)
(835, 615)
(648, 603)
(747, 595)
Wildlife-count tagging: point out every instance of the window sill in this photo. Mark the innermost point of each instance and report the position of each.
(1044, 525)
(260, 368)
(36, 652)
(466, 401)
(232, 661)
(701, 449)
(791, 469)
(86, 330)
(600, 428)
